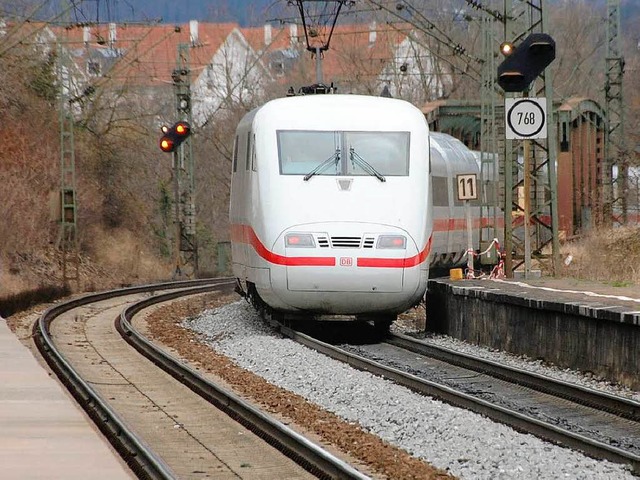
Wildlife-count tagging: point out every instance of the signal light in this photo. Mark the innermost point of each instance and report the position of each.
(174, 136)
(506, 48)
(166, 145)
(526, 62)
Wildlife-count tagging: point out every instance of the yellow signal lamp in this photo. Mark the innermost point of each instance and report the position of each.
(507, 48)
(182, 129)
(167, 145)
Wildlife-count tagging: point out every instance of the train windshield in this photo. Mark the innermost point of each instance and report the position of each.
(306, 152)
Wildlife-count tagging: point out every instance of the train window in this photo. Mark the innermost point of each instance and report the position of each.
(302, 151)
(253, 153)
(385, 152)
(235, 154)
(248, 158)
(440, 190)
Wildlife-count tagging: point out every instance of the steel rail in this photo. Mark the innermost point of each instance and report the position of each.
(622, 407)
(136, 454)
(497, 413)
(307, 454)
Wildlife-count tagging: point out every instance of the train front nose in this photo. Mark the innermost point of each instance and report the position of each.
(348, 267)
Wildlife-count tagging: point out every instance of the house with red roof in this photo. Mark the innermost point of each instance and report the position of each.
(230, 66)
(40, 38)
(361, 58)
(223, 69)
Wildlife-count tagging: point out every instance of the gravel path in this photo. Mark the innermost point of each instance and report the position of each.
(466, 444)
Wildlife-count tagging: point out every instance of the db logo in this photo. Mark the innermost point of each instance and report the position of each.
(346, 261)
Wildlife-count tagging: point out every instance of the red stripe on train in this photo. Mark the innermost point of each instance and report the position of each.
(451, 224)
(397, 262)
(246, 234)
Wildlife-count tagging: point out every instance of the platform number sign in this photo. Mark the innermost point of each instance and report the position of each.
(467, 186)
(526, 118)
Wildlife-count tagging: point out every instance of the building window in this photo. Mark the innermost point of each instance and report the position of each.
(93, 68)
(278, 67)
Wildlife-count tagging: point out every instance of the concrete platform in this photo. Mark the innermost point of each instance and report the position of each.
(43, 433)
(592, 328)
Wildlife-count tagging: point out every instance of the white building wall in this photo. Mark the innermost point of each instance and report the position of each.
(422, 80)
(235, 75)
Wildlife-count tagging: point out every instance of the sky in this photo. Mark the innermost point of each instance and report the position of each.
(150, 11)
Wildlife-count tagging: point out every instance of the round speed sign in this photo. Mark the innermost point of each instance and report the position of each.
(526, 118)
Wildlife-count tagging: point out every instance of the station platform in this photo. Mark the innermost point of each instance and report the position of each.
(43, 433)
(584, 326)
(585, 298)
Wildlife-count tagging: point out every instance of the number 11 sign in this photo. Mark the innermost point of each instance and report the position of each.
(468, 190)
(467, 186)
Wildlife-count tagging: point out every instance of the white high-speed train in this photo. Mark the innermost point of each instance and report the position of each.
(340, 204)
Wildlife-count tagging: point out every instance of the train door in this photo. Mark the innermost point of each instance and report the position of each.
(234, 211)
(240, 205)
(253, 199)
(457, 224)
(441, 207)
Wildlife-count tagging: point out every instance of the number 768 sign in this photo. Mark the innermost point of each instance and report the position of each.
(525, 118)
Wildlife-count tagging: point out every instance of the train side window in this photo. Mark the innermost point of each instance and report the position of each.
(440, 189)
(235, 154)
(253, 154)
(248, 158)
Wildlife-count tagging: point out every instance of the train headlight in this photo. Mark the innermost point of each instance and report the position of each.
(303, 240)
(392, 241)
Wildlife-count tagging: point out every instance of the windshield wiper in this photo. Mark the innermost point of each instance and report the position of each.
(335, 158)
(366, 166)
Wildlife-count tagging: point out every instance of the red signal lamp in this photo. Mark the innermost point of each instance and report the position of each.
(166, 145)
(174, 136)
(182, 129)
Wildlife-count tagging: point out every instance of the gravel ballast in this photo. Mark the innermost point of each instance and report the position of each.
(466, 444)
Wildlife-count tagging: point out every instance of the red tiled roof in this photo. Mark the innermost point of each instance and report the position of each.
(280, 38)
(149, 53)
(351, 54)
(23, 33)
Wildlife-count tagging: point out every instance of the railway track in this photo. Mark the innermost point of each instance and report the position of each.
(596, 423)
(167, 422)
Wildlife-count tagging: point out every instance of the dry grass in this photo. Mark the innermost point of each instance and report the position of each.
(119, 258)
(127, 256)
(610, 256)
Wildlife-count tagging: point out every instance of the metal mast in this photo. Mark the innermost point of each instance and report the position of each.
(614, 192)
(530, 192)
(68, 231)
(183, 171)
(488, 134)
